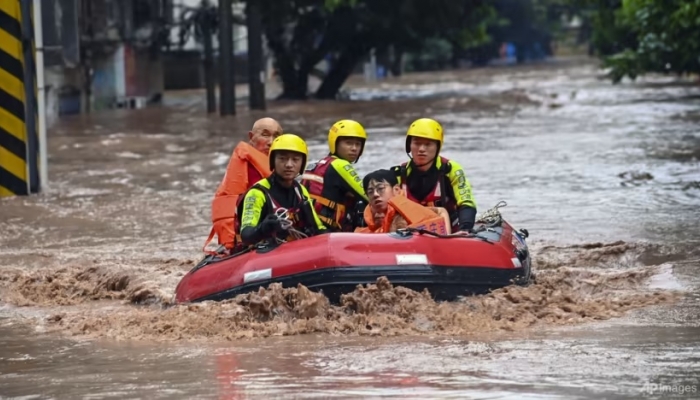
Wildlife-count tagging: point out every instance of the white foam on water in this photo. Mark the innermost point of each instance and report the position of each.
(173, 148)
(80, 192)
(665, 279)
(220, 159)
(128, 154)
(194, 168)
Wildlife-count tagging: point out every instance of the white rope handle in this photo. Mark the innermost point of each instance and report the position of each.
(282, 215)
(286, 224)
(492, 215)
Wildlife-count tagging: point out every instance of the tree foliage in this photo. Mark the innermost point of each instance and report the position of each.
(639, 36)
(301, 33)
(668, 37)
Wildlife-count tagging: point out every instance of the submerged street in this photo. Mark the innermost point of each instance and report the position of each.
(606, 179)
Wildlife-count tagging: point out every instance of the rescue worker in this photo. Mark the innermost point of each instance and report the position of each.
(277, 194)
(389, 209)
(333, 183)
(432, 180)
(248, 164)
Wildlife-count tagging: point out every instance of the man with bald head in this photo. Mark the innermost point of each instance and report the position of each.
(248, 164)
(264, 131)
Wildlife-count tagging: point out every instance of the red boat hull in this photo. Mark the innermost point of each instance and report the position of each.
(337, 262)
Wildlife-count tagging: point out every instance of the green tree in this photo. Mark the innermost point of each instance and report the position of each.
(608, 33)
(301, 33)
(634, 37)
(667, 38)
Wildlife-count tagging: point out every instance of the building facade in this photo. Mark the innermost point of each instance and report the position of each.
(99, 54)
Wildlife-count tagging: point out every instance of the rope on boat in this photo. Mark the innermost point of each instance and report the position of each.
(286, 224)
(489, 219)
(492, 216)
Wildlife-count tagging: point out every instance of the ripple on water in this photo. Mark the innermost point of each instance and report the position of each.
(99, 253)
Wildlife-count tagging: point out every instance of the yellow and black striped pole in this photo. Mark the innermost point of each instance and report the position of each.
(19, 174)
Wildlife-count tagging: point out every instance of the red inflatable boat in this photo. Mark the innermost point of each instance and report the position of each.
(494, 256)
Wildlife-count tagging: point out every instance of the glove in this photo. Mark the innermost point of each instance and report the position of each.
(271, 224)
(467, 215)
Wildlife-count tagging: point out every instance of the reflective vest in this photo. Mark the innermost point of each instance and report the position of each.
(300, 215)
(231, 189)
(331, 213)
(416, 215)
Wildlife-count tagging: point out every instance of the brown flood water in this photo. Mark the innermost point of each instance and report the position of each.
(606, 179)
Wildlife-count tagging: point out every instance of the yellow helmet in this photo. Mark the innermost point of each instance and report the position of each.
(346, 128)
(424, 128)
(289, 142)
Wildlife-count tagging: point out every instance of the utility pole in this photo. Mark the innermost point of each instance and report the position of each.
(41, 95)
(30, 111)
(256, 74)
(208, 61)
(227, 94)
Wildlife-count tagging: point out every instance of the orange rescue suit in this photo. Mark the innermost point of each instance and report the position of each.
(234, 185)
(416, 215)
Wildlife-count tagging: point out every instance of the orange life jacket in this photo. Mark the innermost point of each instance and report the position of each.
(440, 195)
(233, 185)
(416, 215)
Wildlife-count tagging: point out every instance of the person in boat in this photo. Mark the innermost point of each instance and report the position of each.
(248, 164)
(389, 209)
(277, 194)
(333, 183)
(435, 181)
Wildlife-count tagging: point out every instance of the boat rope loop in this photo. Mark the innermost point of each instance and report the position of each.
(492, 217)
(286, 224)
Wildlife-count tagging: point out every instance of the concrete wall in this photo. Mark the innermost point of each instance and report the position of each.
(120, 71)
(143, 73)
(63, 96)
(127, 72)
(105, 85)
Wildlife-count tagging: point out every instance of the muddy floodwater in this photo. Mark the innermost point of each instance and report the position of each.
(606, 178)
